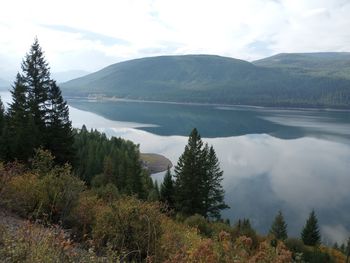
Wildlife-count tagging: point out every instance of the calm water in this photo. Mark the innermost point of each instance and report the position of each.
(289, 160)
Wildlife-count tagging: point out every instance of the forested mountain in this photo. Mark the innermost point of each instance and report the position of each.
(327, 64)
(215, 79)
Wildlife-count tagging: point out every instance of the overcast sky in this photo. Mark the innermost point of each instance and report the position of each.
(91, 34)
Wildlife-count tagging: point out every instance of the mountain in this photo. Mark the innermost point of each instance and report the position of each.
(212, 79)
(64, 76)
(326, 64)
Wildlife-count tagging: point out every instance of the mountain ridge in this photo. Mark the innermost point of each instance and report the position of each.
(217, 79)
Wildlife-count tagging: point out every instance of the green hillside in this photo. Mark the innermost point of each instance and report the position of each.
(327, 64)
(212, 79)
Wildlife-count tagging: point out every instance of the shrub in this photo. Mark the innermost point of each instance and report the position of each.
(22, 194)
(129, 226)
(83, 215)
(200, 223)
(59, 194)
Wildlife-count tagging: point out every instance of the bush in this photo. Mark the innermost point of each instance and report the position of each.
(83, 215)
(200, 223)
(49, 197)
(22, 194)
(59, 194)
(129, 226)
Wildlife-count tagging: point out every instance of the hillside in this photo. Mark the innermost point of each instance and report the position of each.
(212, 79)
(327, 64)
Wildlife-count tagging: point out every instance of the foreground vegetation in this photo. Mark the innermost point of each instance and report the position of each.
(83, 197)
(87, 224)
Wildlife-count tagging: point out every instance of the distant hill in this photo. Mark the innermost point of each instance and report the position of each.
(213, 79)
(64, 76)
(327, 64)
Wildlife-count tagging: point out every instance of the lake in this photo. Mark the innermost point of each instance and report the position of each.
(273, 159)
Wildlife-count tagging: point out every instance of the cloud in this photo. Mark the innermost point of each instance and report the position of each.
(88, 35)
(124, 30)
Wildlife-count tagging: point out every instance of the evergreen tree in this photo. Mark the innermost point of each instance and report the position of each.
(311, 233)
(279, 227)
(2, 116)
(2, 132)
(36, 77)
(59, 138)
(20, 125)
(189, 175)
(167, 191)
(198, 180)
(153, 194)
(38, 111)
(213, 191)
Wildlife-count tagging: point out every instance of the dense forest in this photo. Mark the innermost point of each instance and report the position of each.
(219, 80)
(87, 197)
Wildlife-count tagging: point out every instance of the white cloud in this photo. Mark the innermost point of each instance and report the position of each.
(247, 29)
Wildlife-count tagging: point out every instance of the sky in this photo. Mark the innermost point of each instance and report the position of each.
(91, 34)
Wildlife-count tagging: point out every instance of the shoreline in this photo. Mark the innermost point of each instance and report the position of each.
(223, 105)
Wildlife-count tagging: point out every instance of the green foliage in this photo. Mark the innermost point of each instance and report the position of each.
(59, 137)
(167, 190)
(114, 160)
(200, 223)
(38, 116)
(48, 197)
(311, 233)
(129, 226)
(279, 227)
(198, 180)
(43, 162)
(20, 126)
(214, 79)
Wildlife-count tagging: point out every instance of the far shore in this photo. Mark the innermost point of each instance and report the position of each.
(119, 99)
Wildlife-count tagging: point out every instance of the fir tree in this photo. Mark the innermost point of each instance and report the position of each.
(2, 116)
(311, 233)
(167, 191)
(2, 132)
(20, 125)
(189, 175)
(279, 227)
(198, 180)
(213, 191)
(36, 77)
(59, 138)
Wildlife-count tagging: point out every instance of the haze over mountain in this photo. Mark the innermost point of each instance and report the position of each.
(274, 81)
(64, 76)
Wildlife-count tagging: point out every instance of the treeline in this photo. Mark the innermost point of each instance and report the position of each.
(113, 162)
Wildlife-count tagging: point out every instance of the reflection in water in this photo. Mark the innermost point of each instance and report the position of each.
(264, 174)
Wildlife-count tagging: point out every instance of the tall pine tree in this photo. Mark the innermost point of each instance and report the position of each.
(38, 116)
(198, 177)
(167, 191)
(279, 227)
(20, 126)
(189, 175)
(213, 192)
(59, 136)
(36, 77)
(311, 233)
(2, 128)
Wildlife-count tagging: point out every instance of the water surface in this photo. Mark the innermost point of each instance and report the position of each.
(273, 159)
